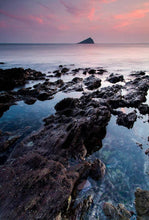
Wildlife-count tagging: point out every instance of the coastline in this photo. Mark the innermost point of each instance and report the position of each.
(53, 160)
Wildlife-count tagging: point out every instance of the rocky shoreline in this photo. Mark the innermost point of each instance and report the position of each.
(40, 174)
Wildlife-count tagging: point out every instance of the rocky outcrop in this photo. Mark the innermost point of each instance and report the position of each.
(142, 204)
(114, 78)
(10, 78)
(87, 41)
(92, 82)
(126, 120)
(116, 213)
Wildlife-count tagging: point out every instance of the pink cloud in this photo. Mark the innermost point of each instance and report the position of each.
(140, 13)
(91, 14)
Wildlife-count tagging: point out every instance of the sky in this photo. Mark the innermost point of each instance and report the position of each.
(67, 21)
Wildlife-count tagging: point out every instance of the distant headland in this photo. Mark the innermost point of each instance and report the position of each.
(87, 41)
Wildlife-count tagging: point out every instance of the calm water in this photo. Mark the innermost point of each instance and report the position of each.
(127, 166)
(45, 57)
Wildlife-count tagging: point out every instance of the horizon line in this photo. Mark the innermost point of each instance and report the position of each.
(77, 43)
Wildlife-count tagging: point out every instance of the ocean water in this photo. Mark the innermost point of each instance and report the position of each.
(127, 166)
(46, 57)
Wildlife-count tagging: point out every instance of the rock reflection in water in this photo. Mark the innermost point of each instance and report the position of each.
(126, 166)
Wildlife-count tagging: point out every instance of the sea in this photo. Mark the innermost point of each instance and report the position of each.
(127, 166)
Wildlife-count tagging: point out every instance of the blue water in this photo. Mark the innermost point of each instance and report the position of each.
(127, 165)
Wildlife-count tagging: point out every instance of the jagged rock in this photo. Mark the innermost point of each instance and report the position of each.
(92, 71)
(116, 213)
(92, 82)
(139, 73)
(144, 109)
(87, 41)
(114, 78)
(142, 204)
(127, 120)
(97, 169)
(10, 78)
(64, 70)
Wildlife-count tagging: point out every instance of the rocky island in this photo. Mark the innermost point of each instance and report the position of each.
(87, 41)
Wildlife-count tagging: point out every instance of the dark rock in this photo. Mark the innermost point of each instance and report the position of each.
(144, 109)
(142, 204)
(127, 120)
(77, 80)
(2, 63)
(7, 141)
(34, 182)
(10, 78)
(67, 103)
(116, 213)
(64, 70)
(3, 108)
(30, 100)
(87, 41)
(92, 71)
(44, 96)
(92, 82)
(100, 71)
(97, 169)
(139, 73)
(114, 78)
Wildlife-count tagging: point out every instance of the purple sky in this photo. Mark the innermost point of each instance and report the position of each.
(67, 21)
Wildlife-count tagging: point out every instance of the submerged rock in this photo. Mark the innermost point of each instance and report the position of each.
(97, 169)
(116, 213)
(142, 204)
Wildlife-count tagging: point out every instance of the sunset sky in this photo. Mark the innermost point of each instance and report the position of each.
(67, 21)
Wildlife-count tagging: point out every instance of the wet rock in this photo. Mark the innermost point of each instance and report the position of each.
(144, 109)
(4, 107)
(101, 71)
(44, 96)
(127, 120)
(116, 213)
(30, 100)
(64, 70)
(10, 78)
(34, 182)
(92, 82)
(7, 141)
(2, 63)
(97, 169)
(77, 80)
(147, 152)
(92, 71)
(142, 204)
(139, 73)
(67, 103)
(114, 78)
(79, 212)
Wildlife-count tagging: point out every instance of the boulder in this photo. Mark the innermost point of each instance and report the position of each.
(142, 204)
(114, 78)
(116, 213)
(127, 120)
(97, 170)
(92, 82)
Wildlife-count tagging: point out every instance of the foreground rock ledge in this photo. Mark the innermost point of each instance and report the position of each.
(38, 179)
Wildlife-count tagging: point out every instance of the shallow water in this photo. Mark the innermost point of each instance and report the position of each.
(127, 166)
